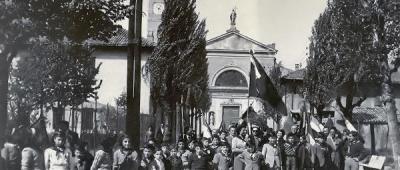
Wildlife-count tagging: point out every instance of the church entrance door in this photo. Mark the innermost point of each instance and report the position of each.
(230, 114)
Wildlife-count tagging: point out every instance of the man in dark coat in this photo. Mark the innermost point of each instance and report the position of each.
(303, 154)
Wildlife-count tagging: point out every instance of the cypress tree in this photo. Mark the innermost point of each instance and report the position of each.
(179, 61)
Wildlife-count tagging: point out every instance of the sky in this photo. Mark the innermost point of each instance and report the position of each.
(287, 23)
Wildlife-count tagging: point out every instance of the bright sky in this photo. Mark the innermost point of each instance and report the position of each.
(287, 23)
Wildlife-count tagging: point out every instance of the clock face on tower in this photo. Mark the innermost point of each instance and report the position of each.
(158, 8)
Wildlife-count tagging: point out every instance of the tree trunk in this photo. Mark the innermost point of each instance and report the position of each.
(347, 109)
(173, 115)
(58, 113)
(4, 73)
(390, 107)
(170, 123)
(178, 122)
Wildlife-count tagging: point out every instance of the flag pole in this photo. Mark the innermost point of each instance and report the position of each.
(248, 95)
(247, 116)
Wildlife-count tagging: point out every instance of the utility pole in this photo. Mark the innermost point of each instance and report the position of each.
(134, 76)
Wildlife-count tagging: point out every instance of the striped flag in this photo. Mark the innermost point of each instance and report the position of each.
(311, 139)
(349, 125)
(310, 132)
(315, 125)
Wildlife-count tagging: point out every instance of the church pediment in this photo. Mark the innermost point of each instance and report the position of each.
(234, 41)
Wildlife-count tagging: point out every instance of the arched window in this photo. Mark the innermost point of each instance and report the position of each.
(231, 78)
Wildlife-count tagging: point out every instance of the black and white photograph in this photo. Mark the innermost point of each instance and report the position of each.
(200, 85)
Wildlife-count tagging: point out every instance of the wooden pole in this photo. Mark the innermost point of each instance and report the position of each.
(95, 124)
(371, 129)
(177, 122)
(132, 123)
(200, 117)
(116, 119)
(195, 120)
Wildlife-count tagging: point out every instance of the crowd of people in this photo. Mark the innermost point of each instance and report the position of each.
(237, 148)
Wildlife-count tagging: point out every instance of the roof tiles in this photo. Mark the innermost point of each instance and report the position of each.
(120, 40)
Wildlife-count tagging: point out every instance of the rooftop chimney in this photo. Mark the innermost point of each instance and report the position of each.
(297, 66)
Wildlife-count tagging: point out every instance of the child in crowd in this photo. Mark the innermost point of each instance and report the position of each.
(290, 153)
(159, 163)
(12, 148)
(147, 157)
(280, 141)
(222, 136)
(103, 157)
(188, 153)
(125, 158)
(174, 160)
(223, 160)
(250, 157)
(181, 148)
(271, 153)
(82, 159)
(57, 157)
(206, 146)
(232, 134)
(31, 156)
(199, 160)
(165, 150)
(214, 145)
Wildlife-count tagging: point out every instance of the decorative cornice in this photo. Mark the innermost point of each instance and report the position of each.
(270, 47)
(270, 52)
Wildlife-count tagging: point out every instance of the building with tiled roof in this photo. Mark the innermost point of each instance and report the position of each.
(369, 119)
(297, 75)
(120, 39)
(369, 115)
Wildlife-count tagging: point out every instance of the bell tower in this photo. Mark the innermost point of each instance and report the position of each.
(156, 7)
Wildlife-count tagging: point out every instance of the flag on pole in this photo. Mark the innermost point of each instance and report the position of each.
(310, 132)
(288, 124)
(261, 85)
(347, 123)
(311, 139)
(315, 125)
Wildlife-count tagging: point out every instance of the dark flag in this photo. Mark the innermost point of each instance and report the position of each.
(261, 85)
(251, 116)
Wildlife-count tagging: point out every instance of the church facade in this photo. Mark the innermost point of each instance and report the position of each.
(228, 68)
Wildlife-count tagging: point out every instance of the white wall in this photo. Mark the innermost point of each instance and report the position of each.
(113, 72)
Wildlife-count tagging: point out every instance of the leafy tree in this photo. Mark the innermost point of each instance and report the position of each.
(122, 103)
(319, 76)
(179, 60)
(384, 18)
(24, 22)
(340, 57)
(55, 75)
(366, 43)
(356, 63)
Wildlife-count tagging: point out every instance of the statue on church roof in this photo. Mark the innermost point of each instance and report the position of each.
(233, 17)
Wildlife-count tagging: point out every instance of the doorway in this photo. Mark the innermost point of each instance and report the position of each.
(230, 114)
